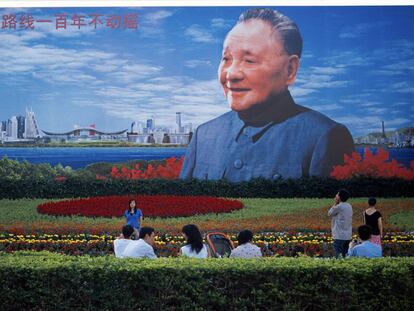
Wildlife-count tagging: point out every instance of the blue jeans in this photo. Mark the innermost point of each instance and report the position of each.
(341, 247)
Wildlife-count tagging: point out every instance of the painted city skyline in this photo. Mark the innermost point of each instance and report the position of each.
(357, 66)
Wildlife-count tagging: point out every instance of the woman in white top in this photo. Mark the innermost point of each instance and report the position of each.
(246, 248)
(195, 247)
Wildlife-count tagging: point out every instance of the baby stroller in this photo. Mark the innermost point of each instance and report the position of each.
(219, 244)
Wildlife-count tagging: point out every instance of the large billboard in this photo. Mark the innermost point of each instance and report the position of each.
(278, 92)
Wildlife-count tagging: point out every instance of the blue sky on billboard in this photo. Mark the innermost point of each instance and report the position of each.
(357, 66)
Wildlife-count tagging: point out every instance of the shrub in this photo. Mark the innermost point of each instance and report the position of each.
(22, 179)
(13, 170)
(311, 187)
(43, 281)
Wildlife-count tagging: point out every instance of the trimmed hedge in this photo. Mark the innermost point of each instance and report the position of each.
(44, 281)
(283, 188)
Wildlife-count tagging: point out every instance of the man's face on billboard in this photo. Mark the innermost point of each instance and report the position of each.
(254, 65)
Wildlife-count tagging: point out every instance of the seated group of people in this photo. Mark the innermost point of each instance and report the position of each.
(125, 247)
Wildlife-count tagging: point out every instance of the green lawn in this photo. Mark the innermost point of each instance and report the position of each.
(403, 220)
(23, 211)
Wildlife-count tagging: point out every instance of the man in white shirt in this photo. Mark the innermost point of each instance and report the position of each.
(123, 241)
(143, 247)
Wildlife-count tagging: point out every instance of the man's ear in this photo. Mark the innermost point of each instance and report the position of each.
(293, 67)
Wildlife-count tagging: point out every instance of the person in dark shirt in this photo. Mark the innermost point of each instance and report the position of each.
(373, 218)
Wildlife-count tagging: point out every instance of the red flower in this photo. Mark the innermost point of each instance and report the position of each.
(372, 166)
(152, 206)
(168, 170)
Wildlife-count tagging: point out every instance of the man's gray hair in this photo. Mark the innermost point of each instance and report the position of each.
(288, 30)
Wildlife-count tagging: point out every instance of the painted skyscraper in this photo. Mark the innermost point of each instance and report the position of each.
(21, 122)
(31, 127)
(12, 127)
(178, 122)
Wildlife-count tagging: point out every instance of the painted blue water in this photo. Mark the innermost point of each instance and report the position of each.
(80, 157)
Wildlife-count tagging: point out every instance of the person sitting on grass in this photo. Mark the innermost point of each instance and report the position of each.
(123, 240)
(143, 248)
(364, 248)
(194, 247)
(246, 249)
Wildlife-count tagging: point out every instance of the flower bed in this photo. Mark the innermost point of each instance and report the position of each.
(151, 206)
(316, 244)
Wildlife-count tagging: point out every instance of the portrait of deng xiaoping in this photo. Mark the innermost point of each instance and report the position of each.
(266, 134)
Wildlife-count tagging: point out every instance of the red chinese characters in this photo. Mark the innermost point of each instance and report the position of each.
(64, 21)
